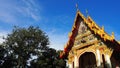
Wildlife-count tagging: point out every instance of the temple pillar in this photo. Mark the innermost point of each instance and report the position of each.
(108, 62)
(76, 63)
(98, 58)
(70, 65)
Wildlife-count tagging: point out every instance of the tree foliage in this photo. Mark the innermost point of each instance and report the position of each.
(23, 44)
(52, 60)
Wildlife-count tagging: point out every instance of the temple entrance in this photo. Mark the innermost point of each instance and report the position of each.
(87, 60)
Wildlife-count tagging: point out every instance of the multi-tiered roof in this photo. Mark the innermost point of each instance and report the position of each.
(94, 28)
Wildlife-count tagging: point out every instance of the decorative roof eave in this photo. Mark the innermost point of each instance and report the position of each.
(119, 42)
(97, 30)
(66, 50)
(92, 25)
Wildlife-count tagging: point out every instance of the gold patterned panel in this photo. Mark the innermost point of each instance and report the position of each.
(105, 50)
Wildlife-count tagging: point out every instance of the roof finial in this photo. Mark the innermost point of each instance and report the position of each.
(77, 6)
(113, 35)
(87, 13)
(103, 28)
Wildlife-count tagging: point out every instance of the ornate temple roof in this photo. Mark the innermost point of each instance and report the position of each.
(119, 42)
(93, 27)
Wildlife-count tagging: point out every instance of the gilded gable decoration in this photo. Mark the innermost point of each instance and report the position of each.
(90, 43)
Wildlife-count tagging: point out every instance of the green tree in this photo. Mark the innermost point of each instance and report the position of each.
(2, 53)
(51, 60)
(23, 43)
(5, 58)
(60, 63)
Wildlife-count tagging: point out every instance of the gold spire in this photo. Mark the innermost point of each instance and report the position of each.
(103, 28)
(113, 35)
(87, 13)
(119, 42)
(77, 6)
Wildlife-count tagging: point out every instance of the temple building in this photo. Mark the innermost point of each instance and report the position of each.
(89, 46)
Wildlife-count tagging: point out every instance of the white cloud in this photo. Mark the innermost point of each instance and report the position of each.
(7, 17)
(3, 34)
(57, 40)
(58, 32)
(14, 11)
(32, 9)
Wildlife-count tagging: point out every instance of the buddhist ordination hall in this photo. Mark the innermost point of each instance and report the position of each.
(89, 46)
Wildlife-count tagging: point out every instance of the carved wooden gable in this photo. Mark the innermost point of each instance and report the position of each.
(82, 28)
(85, 36)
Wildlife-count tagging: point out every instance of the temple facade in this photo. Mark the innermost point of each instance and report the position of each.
(89, 46)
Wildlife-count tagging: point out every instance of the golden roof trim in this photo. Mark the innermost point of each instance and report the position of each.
(93, 26)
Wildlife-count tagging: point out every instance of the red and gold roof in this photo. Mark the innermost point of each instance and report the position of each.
(93, 27)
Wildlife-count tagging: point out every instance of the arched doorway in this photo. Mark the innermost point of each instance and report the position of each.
(87, 60)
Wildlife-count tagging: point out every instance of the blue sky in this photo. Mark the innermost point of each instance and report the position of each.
(56, 17)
